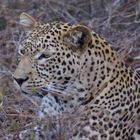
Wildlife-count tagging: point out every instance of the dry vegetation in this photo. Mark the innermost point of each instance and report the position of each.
(116, 20)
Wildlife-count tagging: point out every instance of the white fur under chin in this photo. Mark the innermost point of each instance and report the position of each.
(46, 109)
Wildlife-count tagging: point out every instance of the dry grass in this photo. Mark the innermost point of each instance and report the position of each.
(118, 21)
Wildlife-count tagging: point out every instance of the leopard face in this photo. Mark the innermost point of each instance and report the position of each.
(51, 56)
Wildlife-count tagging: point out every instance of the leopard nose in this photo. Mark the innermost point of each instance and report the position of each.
(20, 81)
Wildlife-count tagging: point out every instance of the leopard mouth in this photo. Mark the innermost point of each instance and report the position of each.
(38, 94)
(24, 92)
(54, 90)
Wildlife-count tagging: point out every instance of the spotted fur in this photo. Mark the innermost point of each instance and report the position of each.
(74, 67)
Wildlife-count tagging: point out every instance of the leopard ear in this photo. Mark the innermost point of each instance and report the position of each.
(78, 37)
(27, 21)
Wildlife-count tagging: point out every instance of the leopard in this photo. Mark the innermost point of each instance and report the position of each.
(70, 66)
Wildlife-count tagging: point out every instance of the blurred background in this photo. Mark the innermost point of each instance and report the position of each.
(118, 21)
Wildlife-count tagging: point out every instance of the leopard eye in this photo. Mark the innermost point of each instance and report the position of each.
(21, 52)
(45, 55)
